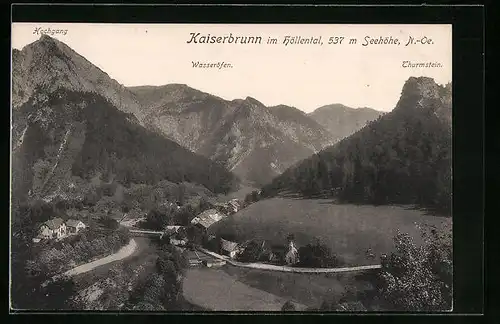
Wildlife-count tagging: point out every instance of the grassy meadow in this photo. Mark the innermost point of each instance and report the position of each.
(310, 290)
(348, 230)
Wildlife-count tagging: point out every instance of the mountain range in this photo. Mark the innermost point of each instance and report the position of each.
(341, 120)
(254, 141)
(244, 136)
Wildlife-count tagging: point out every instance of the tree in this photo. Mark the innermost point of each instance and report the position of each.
(181, 234)
(109, 222)
(417, 278)
(171, 265)
(204, 205)
(251, 253)
(27, 291)
(316, 256)
(255, 195)
(184, 215)
(288, 307)
(181, 193)
(156, 220)
(123, 235)
(57, 295)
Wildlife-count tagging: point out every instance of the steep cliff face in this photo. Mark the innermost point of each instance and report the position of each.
(183, 114)
(257, 145)
(49, 64)
(255, 141)
(424, 96)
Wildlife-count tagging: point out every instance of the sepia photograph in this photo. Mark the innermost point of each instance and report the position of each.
(231, 167)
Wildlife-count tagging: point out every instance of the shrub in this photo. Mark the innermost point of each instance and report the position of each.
(329, 304)
(252, 197)
(316, 256)
(63, 255)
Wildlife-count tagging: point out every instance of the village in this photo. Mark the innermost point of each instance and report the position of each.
(202, 246)
(199, 239)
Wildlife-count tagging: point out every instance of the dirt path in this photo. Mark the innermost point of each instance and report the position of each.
(124, 252)
(270, 267)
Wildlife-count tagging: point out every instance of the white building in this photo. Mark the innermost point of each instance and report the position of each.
(74, 226)
(292, 256)
(53, 228)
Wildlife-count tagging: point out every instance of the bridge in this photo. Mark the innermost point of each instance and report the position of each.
(146, 233)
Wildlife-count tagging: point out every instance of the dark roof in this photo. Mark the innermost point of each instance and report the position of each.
(73, 222)
(54, 223)
(228, 245)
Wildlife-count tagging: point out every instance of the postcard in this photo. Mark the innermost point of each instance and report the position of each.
(231, 167)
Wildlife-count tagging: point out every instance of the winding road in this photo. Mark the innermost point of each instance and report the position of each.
(123, 253)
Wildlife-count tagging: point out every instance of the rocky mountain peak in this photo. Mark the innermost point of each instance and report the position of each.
(253, 101)
(421, 88)
(46, 38)
(424, 94)
(51, 64)
(47, 45)
(424, 86)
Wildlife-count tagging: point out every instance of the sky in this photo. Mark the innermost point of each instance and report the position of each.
(305, 76)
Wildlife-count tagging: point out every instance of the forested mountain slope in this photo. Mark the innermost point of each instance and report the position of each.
(402, 157)
(58, 135)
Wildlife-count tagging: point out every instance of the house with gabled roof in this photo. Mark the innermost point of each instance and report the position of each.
(208, 218)
(53, 228)
(231, 249)
(74, 226)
